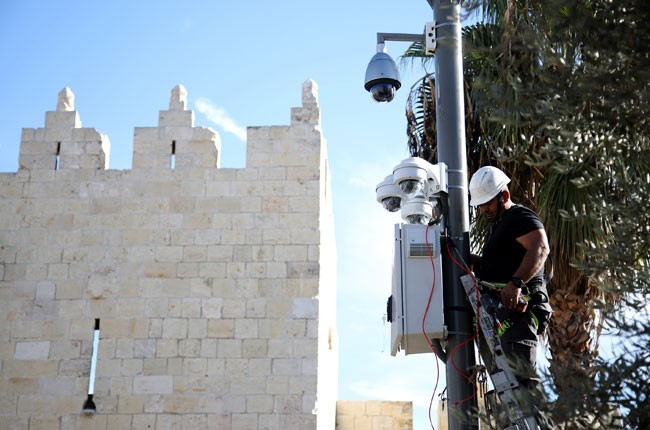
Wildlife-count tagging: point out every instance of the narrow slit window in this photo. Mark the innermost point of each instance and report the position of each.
(173, 157)
(57, 162)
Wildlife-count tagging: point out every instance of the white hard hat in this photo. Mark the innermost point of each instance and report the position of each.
(486, 183)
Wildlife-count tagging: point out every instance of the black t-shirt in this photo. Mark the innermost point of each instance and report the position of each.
(502, 254)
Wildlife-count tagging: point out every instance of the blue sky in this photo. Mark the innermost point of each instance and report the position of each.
(243, 64)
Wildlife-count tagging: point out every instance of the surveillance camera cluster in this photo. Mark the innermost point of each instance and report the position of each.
(382, 76)
(415, 187)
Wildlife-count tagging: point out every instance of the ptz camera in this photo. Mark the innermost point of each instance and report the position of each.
(382, 76)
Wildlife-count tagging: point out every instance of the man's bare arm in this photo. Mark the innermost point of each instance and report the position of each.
(537, 249)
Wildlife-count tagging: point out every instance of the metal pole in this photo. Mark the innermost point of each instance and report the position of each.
(450, 122)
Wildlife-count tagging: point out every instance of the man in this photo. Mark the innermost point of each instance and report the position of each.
(514, 253)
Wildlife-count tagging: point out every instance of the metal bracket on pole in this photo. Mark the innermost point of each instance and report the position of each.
(430, 38)
(399, 37)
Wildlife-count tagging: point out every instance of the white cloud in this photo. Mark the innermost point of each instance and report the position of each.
(220, 117)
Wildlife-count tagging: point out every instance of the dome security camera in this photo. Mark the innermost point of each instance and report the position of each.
(389, 194)
(382, 77)
(411, 175)
(417, 211)
(416, 176)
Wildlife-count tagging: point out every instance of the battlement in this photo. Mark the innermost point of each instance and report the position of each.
(175, 144)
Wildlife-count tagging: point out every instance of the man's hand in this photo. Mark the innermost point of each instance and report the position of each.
(510, 295)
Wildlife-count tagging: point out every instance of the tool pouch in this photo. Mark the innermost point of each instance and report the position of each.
(541, 309)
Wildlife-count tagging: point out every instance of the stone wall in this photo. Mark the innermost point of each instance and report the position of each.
(374, 415)
(214, 288)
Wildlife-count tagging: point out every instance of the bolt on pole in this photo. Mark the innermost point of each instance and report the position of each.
(450, 123)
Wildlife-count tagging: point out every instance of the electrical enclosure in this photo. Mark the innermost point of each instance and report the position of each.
(417, 269)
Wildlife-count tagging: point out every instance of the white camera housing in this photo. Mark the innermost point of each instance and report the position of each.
(414, 174)
(389, 194)
(382, 76)
(417, 210)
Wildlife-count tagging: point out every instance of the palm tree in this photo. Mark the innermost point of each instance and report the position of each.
(534, 108)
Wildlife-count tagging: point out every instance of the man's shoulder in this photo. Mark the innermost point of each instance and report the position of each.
(526, 218)
(523, 211)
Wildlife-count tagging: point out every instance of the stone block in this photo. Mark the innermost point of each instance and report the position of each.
(174, 328)
(303, 384)
(43, 423)
(259, 366)
(45, 290)
(175, 288)
(38, 350)
(187, 270)
(21, 386)
(191, 307)
(211, 308)
(262, 403)
(180, 404)
(287, 366)
(169, 253)
(131, 367)
(194, 366)
(62, 119)
(195, 253)
(66, 349)
(62, 386)
(56, 329)
(167, 348)
(176, 123)
(130, 404)
(197, 328)
(272, 329)
(246, 329)
(278, 308)
(154, 366)
(303, 307)
(118, 421)
(254, 348)
(189, 348)
(159, 384)
(87, 422)
(131, 308)
(288, 404)
(277, 384)
(124, 348)
(229, 348)
(144, 348)
(148, 421)
(208, 348)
